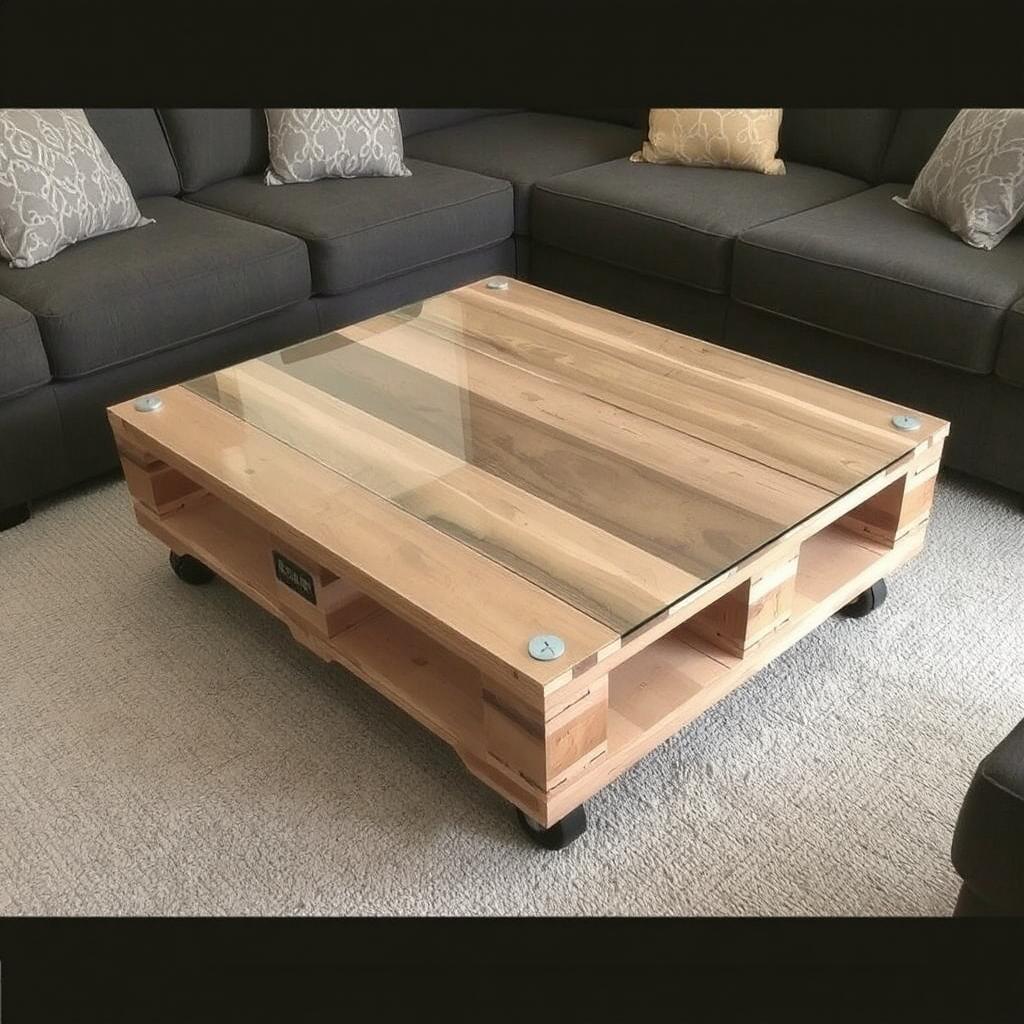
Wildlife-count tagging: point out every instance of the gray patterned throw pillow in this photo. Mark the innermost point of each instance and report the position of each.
(58, 185)
(974, 181)
(306, 145)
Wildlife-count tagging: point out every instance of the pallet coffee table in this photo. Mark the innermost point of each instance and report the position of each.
(552, 534)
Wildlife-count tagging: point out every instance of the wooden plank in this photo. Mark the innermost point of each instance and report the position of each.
(753, 609)
(746, 568)
(657, 692)
(796, 439)
(734, 480)
(611, 580)
(677, 522)
(718, 368)
(476, 607)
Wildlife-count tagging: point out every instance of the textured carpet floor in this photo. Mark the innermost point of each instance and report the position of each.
(170, 750)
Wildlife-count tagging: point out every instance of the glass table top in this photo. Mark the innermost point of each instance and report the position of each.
(614, 464)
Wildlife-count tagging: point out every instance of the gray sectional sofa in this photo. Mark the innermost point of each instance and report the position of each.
(817, 269)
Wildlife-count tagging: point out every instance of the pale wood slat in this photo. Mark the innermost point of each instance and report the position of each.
(479, 609)
(733, 480)
(793, 439)
(594, 571)
(677, 522)
(717, 367)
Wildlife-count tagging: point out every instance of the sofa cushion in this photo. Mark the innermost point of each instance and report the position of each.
(135, 140)
(23, 363)
(850, 141)
(213, 144)
(1010, 364)
(119, 297)
(364, 230)
(632, 117)
(426, 119)
(917, 133)
(866, 268)
(677, 223)
(525, 148)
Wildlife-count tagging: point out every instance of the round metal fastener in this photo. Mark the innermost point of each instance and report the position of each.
(906, 422)
(498, 284)
(546, 647)
(148, 403)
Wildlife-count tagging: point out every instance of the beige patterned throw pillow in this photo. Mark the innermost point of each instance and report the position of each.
(974, 181)
(58, 185)
(307, 144)
(744, 139)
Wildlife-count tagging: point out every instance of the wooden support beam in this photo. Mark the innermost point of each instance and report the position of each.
(546, 753)
(748, 613)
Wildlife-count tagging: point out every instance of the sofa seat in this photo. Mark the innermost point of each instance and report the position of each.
(23, 363)
(130, 294)
(363, 230)
(675, 223)
(1010, 364)
(525, 148)
(868, 269)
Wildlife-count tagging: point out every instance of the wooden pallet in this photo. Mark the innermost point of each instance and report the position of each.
(547, 748)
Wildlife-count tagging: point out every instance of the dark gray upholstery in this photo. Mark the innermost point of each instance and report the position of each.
(1010, 364)
(363, 230)
(32, 458)
(135, 140)
(917, 133)
(213, 144)
(632, 117)
(23, 364)
(336, 310)
(426, 119)
(88, 443)
(126, 295)
(693, 310)
(871, 270)
(525, 148)
(984, 410)
(849, 141)
(817, 269)
(988, 844)
(673, 222)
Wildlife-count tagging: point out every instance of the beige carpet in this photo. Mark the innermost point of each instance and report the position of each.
(170, 750)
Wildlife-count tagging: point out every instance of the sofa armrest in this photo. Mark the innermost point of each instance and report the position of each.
(988, 844)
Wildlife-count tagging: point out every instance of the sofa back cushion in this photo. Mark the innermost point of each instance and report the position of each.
(214, 144)
(850, 141)
(137, 145)
(918, 131)
(631, 117)
(425, 119)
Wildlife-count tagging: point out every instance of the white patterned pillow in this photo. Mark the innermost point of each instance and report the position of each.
(306, 144)
(974, 181)
(58, 185)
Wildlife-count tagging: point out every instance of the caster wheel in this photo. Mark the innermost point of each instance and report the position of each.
(190, 569)
(559, 835)
(872, 598)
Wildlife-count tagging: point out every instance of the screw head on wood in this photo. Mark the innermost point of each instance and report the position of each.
(498, 284)
(906, 422)
(546, 647)
(148, 403)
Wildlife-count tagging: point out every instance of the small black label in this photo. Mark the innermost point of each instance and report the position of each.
(295, 577)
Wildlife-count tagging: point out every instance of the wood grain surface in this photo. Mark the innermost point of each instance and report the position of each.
(493, 464)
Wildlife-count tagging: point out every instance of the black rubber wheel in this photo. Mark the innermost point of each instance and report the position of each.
(190, 569)
(559, 835)
(872, 598)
